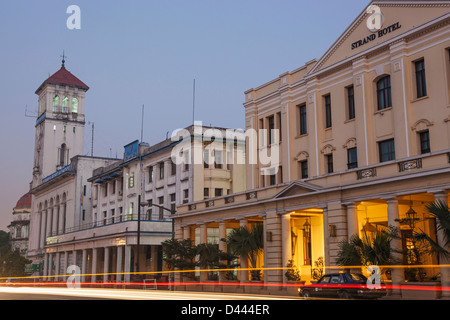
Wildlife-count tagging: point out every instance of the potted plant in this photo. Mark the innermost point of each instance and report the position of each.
(292, 273)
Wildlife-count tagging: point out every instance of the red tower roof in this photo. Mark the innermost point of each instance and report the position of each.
(64, 77)
(24, 201)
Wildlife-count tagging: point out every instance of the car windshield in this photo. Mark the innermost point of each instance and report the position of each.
(325, 279)
(358, 277)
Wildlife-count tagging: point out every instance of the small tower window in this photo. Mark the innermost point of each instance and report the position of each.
(65, 105)
(55, 103)
(74, 105)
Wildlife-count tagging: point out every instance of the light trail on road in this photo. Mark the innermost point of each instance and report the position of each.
(127, 294)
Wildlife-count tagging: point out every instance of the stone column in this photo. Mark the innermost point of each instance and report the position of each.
(119, 264)
(187, 232)
(222, 245)
(94, 264)
(66, 261)
(203, 239)
(127, 266)
(105, 264)
(57, 266)
(444, 262)
(286, 247)
(397, 274)
(49, 266)
(352, 220)
(83, 266)
(243, 260)
(49, 214)
(46, 259)
(74, 257)
(44, 231)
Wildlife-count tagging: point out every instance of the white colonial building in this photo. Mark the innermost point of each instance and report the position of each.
(60, 192)
(109, 216)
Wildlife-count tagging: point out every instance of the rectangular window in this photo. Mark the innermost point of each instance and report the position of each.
(424, 142)
(279, 124)
(329, 159)
(271, 128)
(186, 193)
(131, 180)
(161, 170)
(303, 123)
(352, 158)
(421, 84)
(217, 192)
(304, 169)
(206, 158)
(173, 202)
(272, 178)
(218, 159)
(150, 174)
(384, 98)
(161, 210)
(386, 150)
(187, 161)
(328, 121)
(206, 193)
(280, 174)
(351, 102)
(173, 170)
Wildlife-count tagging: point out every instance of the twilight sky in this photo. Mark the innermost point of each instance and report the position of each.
(134, 53)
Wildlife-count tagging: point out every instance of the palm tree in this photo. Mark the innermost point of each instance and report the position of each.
(248, 243)
(209, 258)
(440, 210)
(365, 252)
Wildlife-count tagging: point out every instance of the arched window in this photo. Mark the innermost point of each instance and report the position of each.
(65, 105)
(55, 103)
(62, 154)
(74, 105)
(384, 93)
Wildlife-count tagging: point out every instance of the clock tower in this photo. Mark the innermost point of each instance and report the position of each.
(60, 123)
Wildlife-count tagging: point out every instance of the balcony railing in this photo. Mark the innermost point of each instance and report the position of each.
(104, 222)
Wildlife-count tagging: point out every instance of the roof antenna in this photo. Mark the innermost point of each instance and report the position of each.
(142, 124)
(193, 104)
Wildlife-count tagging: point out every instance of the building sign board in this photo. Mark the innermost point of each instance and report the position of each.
(131, 150)
(375, 25)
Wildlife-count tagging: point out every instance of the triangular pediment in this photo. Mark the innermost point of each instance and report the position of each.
(398, 18)
(297, 188)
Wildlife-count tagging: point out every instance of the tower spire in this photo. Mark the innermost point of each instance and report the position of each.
(63, 60)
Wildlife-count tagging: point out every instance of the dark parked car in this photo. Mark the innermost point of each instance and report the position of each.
(342, 285)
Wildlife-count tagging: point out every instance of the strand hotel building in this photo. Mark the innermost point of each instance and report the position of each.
(364, 137)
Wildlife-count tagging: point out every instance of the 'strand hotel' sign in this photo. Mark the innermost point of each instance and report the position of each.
(374, 24)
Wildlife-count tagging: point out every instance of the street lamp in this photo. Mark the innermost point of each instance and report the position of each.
(149, 203)
(411, 217)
